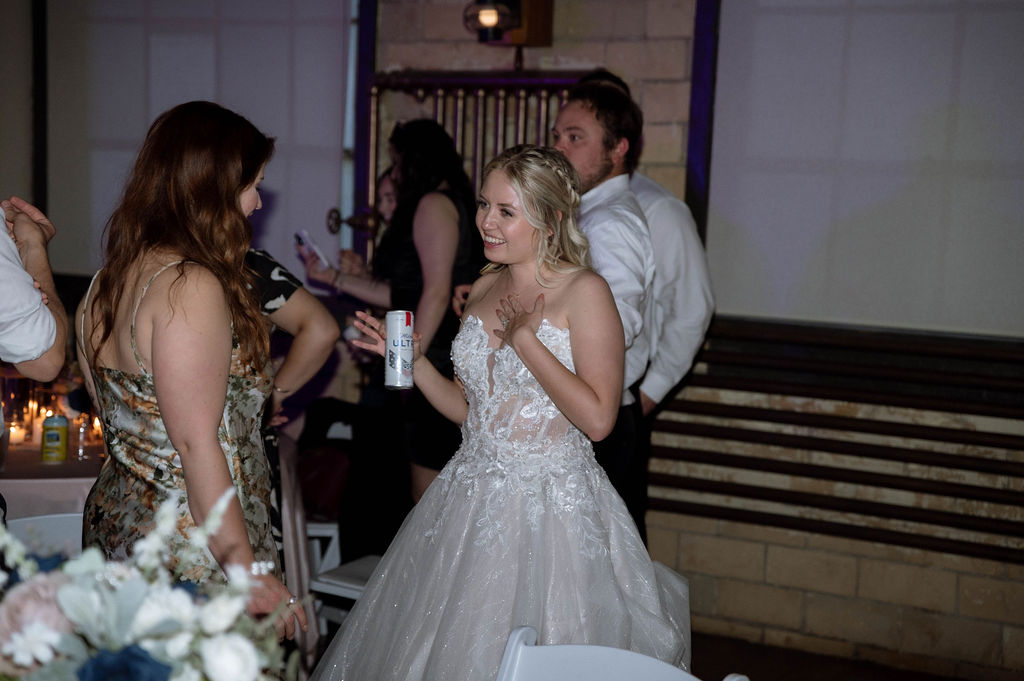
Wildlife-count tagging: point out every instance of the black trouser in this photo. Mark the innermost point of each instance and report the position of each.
(625, 461)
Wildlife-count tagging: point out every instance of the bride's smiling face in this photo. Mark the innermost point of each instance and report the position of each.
(508, 236)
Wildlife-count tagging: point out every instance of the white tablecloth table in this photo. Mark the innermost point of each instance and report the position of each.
(31, 487)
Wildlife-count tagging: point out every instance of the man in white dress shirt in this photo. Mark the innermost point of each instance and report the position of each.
(683, 301)
(32, 332)
(598, 129)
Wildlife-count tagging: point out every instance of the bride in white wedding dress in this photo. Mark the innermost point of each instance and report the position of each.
(522, 527)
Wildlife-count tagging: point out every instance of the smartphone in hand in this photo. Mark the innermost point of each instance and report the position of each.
(303, 238)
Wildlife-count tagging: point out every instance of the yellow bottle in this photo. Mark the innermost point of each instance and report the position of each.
(55, 438)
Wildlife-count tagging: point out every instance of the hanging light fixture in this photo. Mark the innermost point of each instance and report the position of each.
(515, 23)
(490, 20)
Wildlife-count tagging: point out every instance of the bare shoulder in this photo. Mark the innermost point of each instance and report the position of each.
(436, 203)
(190, 288)
(589, 302)
(194, 279)
(484, 282)
(478, 293)
(587, 283)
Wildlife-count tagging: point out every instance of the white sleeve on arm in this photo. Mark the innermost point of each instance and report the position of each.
(619, 258)
(682, 294)
(27, 328)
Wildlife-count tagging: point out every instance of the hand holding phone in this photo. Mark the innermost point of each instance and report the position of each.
(303, 238)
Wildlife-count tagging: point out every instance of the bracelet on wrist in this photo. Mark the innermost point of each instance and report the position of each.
(261, 568)
(280, 390)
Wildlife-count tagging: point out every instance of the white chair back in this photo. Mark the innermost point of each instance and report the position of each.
(309, 568)
(296, 550)
(525, 661)
(46, 535)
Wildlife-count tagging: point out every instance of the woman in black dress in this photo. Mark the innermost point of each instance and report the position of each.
(430, 245)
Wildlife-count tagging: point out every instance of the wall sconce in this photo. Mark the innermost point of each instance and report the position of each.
(489, 20)
(510, 22)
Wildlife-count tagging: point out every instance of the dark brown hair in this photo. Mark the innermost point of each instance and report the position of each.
(183, 195)
(617, 113)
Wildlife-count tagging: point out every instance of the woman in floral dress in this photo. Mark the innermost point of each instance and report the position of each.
(174, 350)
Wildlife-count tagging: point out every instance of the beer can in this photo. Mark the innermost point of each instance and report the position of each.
(55, 438)
(398, 361)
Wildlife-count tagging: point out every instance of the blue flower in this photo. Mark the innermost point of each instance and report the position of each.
(48, 563)
(128, 664)
(191, 588)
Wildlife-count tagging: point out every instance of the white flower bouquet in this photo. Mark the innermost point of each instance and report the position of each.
(93, 620)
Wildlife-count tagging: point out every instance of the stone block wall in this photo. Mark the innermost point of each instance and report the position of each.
(649, 43)
(913, 609)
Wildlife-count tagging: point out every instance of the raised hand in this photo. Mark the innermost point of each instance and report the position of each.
(372, 328)
(513, 315)
(26, 224)
(352, 264)
(376, 331)
(316, 270)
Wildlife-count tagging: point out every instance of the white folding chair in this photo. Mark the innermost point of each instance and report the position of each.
(310, 566)
(525, 661)
(331, 576)
(296, 551)
(46, 535)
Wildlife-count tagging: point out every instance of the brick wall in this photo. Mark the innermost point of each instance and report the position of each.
(648, 43)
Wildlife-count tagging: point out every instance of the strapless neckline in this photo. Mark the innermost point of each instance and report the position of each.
(545, 325)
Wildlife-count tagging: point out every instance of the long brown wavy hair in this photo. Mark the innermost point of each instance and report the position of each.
(183, 195)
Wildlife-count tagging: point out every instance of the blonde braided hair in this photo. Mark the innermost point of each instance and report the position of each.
(549, 190)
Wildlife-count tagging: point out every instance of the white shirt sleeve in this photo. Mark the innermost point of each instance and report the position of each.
(621, 252)
(682, 296)
(617, 254)
(27, 328)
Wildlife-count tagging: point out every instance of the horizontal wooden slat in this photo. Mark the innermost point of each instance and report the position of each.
(880, 340)
(958, 521)
(879, 396)
(870, 534)
(941, 372)
(842, 474)
(835, 446)
(849, 423)
(412, 80)
(965, 378)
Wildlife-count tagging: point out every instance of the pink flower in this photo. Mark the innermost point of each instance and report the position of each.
(34, 600)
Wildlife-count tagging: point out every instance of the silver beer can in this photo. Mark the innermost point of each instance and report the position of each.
(398, 326)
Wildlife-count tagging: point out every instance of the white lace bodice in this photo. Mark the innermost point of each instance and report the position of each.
(508, 409)
(515, 441)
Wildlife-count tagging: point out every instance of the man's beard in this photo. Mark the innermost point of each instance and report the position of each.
(602, 173)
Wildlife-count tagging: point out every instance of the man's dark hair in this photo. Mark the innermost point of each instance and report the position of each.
(617, 113)
(603, 75)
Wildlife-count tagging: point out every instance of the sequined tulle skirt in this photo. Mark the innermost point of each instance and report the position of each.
(483, 553)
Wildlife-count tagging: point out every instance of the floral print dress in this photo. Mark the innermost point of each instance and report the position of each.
(143, 468)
